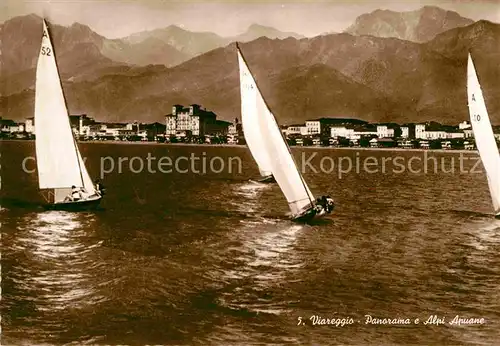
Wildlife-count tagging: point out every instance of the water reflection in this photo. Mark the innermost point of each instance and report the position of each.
(58, 268)
(246, 194)
(264, 253)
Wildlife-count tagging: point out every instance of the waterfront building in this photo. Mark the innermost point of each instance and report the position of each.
(232, 130)
(455, 135)
(365, 133)
(92, 130)
(194, 121)
(8, 126)
(313, 127)
(154, 131)
(408, 131)
(388, 130)
(384, 132)
(295, 129)
(420, 131)
(341, 131)
(80, 122)
(235, 129)
(29, 125)
(322, 126)
(435, 135)
(436, 131)
(468, 133)
(352, 133)
(405, 132)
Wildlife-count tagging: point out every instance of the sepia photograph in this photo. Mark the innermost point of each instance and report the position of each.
(310, 172)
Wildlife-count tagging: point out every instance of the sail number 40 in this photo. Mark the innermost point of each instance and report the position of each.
(476, 117)
(46, 51)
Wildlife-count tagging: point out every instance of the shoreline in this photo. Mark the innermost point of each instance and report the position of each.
(244, 146)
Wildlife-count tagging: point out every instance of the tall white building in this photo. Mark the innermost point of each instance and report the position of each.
(384, 132)
(193, 120)
(30, 125)
(405, 132)
(313, 127)
(420, 131)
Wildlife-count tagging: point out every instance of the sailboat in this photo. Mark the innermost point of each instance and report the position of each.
(253, 107)
(61, 169)
(483, 134)
(270, 149)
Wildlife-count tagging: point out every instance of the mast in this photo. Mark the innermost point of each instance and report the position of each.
(276, 123)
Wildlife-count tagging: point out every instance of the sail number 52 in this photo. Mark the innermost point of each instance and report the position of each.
(476, 117)
(46, 51)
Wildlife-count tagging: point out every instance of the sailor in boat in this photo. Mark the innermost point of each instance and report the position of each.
(75, 195)
(99, 187)
(324, 205)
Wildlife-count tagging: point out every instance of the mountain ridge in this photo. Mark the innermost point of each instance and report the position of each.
(420, 25)
(371, 78)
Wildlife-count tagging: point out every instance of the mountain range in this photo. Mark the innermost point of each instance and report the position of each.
(357, 75)
(192, 44)
(418, 26)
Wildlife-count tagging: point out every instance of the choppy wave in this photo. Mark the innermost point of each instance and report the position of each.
(213, 260)
(60, 269)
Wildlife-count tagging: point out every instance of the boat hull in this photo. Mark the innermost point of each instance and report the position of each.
(87, 204)
(315, 212)
(305, 217)
(308, 215)
(267, 180)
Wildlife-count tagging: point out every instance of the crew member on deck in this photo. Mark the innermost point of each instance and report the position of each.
(99, 187)
(76, 194)
(329, 204)
(326, 203)
(323, 201)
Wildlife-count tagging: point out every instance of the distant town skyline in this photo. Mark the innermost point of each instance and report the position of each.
(115, 19)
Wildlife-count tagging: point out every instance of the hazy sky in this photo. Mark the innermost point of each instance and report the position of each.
(121, 18)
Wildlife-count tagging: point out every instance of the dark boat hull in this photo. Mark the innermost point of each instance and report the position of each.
(312, 213)
(87, 204)
(267, 180)
(306, 216)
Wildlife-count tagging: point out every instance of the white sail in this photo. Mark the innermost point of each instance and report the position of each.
(250, 98)
(59, 162)
(88, 185)
(483, 134)
(282, 164)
